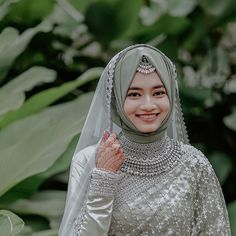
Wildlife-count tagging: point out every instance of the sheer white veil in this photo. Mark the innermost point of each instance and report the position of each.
(98, 120)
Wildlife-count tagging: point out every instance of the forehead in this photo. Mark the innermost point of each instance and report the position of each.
(146, 80)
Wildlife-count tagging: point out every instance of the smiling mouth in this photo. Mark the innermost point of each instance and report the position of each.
(147, 117)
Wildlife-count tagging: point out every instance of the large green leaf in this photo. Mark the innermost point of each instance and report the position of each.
(70, 10)
(230, 85)
(45, 203)
(62, 163)
(180, 7)
(5, 7)
(63, 177)
(67, 20)
(119, 17)
(47, 97)
(50, 232)
(230, 120)
(33, 144)
(7, 37)
(98, 15)
(222, 165)
(10, 224)
(82, 5)
(26, 231)
(175, 8)
(28, 11)
(126, 14)
(215, 7)
(232, 217)
(150, 14)
(49, 204)
(194, 97)
(9, 53)
(214, 68)
(175, 26)
(199, 28)
(12, 94)
(28, 186)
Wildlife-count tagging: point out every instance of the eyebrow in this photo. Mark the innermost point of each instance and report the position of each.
(138, 88)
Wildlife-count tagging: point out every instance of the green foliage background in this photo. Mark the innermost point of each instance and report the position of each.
(51, 54)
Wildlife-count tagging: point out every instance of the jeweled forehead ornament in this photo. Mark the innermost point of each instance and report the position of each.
(145, 67)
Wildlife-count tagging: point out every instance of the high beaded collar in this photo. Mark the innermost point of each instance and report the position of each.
(149, 159)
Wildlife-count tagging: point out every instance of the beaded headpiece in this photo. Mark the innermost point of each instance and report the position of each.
(145, 67)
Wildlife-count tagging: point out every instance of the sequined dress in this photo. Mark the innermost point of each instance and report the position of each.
(164, 188)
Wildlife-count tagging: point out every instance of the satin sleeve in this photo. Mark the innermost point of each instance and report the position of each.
(211, 216)
(79, 179)
(95, 217)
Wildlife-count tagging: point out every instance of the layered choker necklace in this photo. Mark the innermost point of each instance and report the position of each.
(149, 159)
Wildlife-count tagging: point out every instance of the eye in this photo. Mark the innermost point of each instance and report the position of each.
(133, 94)
(160, 93)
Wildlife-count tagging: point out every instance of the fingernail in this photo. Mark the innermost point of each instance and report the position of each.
(105, 135)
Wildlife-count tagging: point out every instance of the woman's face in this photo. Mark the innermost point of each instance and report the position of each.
(146, 103)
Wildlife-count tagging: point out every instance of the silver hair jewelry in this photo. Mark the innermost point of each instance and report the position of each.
(145, 67)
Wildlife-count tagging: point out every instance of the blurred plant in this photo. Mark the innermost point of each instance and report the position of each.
(47, 50)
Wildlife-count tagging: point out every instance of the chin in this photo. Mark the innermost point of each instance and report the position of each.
(148, 129)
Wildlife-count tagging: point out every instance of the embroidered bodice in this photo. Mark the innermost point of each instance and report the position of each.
(164, 188)
(167, 201)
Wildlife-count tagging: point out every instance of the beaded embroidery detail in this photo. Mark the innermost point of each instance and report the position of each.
(150, 159)
(145, 67)
(79, 221)
(103, 182)
(109, 85)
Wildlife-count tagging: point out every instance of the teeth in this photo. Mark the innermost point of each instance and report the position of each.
(147, 116)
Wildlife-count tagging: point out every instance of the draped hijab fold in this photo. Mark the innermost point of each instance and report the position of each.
(123, 75)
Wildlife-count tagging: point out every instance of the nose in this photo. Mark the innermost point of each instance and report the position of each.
(148, 104)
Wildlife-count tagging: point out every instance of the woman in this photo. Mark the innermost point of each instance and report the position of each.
(142, 177)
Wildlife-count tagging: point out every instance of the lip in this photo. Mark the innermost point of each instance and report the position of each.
(148, 117)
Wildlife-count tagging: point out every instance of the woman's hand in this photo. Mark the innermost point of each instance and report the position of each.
(110, 156)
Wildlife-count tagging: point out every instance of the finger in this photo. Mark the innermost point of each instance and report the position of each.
(111, 163)
(112, 148)
(98, 162)
(102, 153)
(118, 159)
(107, 153)
(106, 162)
(115, 146)
(116, 165)
(100, 156)
(101, 149)
(107, 144)
(111, 151)
(116, 142)
(105, 136)
(101, 146)
(110, 140)
(120, 151)
(121, 157)
(102, 160)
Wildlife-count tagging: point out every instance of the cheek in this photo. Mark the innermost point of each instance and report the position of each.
(166, 105)
(129, 107)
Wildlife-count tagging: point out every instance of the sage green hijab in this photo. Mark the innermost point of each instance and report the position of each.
(123, 76)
